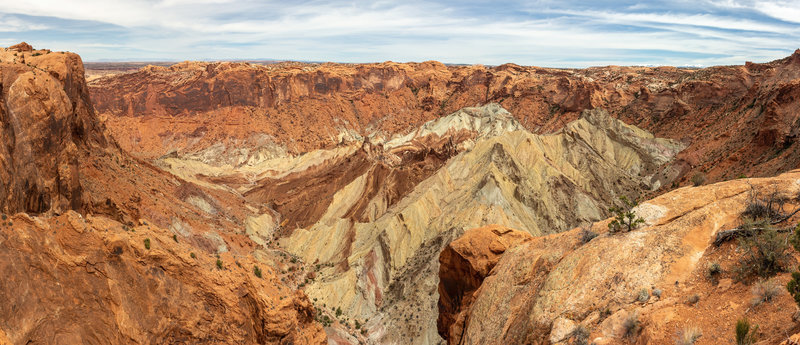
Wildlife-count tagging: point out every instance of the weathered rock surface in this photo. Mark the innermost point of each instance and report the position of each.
(596, 284)
(464, 263)
(47, 125)
(76, 280)
(73, 254)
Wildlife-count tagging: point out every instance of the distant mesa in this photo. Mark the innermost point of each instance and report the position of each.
(21, 47)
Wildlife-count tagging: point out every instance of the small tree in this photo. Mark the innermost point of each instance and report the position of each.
(624, 218)
(764, 251)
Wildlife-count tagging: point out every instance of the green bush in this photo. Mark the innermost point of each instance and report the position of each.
(257, 271)
(147, 243)
(745, 334)
(793, 286)
(192, 255)
(219, 263)
(624, 218)
(175, 238)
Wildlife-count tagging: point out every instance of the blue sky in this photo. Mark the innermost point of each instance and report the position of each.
(544, 33)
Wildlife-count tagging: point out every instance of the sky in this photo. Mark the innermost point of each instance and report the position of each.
(562, 33)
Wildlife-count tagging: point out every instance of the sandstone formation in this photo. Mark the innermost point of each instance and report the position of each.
(100, 247)
(735, 119)
(48, 126)
(348, 181)
(383, 268)
(464, 263)
(542, 289)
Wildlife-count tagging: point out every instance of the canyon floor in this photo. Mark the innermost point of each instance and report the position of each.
(391, 203)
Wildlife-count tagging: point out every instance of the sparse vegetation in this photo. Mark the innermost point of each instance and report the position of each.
(657, 293)
(191, 255)
(580, 335)
(257, 271)
(631, 325)
(338, 311)
(699, 179)
(745, 333)
(693, 299)
(147, 243)
(219, 263)
(764, 291)
(624, 218)
(587, 235)
(764, 251)
(714, 270)
(175, 238)
(643, 295)
(793, 286)
(688, 336)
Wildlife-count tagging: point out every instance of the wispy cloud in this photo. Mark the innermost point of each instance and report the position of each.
(543, 32)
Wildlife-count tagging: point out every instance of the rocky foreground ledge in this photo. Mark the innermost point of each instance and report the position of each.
(502, 286)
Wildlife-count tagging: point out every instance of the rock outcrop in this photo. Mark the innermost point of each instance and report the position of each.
(544, 288)
(75, 280)
(48, 126)
(100, 247)
(463, 264)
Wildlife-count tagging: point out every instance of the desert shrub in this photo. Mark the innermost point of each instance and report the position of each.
(338, 311)
(587, 235)
(691, 300)
(147, 243)
(643, 296)
(714, 270)
(764, 291)
(768, 208)
(698, 179)
(624, 218)
(257, 271)
(580, 335)
(219, 263)
(793, 286)
(657, 293)
(175, 238)
(192, 255)
(764, 251)
(745, 334)
(631, 325)
(688, 336)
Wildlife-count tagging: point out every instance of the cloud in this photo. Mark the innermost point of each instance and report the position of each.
(553, 33)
